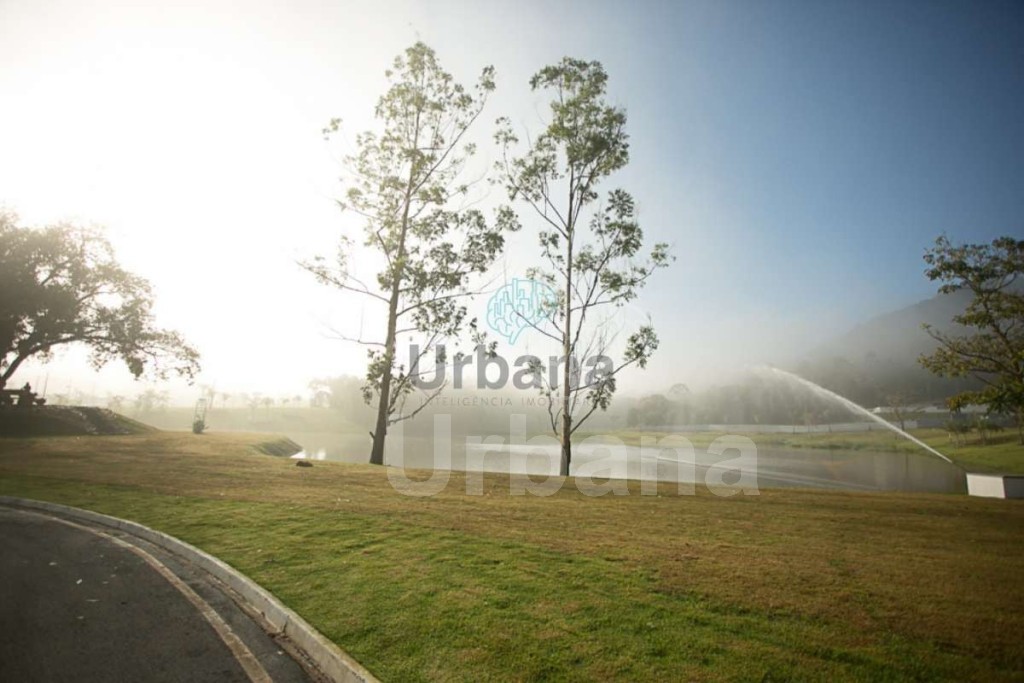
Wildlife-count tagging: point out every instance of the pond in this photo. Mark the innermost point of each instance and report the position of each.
(765, 467)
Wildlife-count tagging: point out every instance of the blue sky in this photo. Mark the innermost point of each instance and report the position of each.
(799, 155)
(836, 139)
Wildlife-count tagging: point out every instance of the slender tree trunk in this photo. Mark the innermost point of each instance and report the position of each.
(380, 432)
(567, 351)
(566, 403)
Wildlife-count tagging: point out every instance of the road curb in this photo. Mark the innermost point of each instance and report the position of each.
(328, 657)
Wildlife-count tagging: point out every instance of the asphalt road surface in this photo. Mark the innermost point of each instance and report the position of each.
(79, 606)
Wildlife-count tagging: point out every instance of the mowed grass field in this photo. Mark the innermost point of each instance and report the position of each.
(787, 585)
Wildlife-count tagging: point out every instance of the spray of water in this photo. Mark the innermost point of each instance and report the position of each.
(860, 410)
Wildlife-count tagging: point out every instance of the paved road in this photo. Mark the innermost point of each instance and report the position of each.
(77, 606)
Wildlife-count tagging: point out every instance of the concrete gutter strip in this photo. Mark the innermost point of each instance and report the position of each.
(328, 657)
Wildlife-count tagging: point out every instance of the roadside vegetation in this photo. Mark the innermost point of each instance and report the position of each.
(788, 585)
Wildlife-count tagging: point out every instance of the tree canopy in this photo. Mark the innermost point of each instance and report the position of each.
(406, 184)
(61, 285)
(993, 350)
(591, 246)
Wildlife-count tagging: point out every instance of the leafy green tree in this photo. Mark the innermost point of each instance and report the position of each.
(589, 248)
(407, 186)
(151, 400)
(653, 411)
(898, 408)
(994, 351)
(61, 285)
(209, 392)
(342, 393)
(253, 401)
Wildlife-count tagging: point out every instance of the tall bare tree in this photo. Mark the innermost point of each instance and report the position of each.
(407, 184)
(590, 248)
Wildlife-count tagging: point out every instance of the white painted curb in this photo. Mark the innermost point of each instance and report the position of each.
(328, 657)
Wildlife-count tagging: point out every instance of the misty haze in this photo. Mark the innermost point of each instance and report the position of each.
(438, 340)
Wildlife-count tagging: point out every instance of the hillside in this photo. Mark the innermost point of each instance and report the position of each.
(880, 356)
(898, 335)
(67, 421)
(873, 364)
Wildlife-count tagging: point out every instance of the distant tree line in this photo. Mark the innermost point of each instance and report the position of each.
(751, 400)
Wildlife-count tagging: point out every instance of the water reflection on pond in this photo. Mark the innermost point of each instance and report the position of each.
(771, 466)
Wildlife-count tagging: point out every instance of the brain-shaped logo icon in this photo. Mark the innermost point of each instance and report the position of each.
(519, 305)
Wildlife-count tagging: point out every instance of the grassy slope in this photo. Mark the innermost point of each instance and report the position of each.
(788, 585)
(1001, 453)
(275, 419)
(86, 421)
(66, 421)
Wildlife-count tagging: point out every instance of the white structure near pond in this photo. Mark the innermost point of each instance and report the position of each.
(995, 485)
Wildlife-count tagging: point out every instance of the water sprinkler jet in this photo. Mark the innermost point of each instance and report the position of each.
(859, 409)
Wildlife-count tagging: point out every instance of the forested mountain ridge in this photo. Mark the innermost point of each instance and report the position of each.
(876, 362)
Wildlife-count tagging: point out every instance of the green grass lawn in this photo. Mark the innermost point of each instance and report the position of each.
(789, 585)
(1000, 452)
